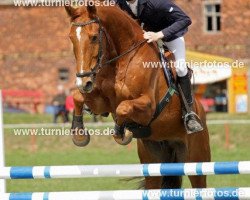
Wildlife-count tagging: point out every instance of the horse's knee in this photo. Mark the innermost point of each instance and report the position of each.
(124, 109)
(78, 101)
(77, 96)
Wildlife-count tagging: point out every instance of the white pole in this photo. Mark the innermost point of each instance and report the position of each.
(2, 155)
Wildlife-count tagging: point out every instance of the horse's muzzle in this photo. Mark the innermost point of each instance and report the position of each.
(87, 88)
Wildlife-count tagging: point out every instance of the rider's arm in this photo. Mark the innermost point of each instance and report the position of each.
(172, 13)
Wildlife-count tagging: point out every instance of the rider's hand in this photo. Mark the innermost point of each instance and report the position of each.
(153, 37)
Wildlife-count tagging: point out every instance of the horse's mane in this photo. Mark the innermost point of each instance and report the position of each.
(117, 14)
(126, 15)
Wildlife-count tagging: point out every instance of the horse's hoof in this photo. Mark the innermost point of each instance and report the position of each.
(126, 139)
(81, 140)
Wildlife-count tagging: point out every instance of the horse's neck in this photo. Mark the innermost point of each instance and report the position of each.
(122, 30)
(123, 34)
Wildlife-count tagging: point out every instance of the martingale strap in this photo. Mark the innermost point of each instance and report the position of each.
(164, 101)
(170, 82)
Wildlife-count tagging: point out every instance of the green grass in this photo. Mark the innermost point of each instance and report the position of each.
(225, 116)
(24, 118)
(55, 150)
(59, 150)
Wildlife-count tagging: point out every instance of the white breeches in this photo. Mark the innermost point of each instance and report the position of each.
(177, 47)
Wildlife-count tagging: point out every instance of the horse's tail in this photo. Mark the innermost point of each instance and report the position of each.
(140, 181)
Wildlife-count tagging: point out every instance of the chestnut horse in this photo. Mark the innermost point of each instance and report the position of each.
(130, 92)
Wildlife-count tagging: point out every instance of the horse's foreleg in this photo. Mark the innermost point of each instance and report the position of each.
(78, 102)
(139, 110)
(80, 137)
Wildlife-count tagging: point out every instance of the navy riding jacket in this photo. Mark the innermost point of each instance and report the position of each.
(160, 15)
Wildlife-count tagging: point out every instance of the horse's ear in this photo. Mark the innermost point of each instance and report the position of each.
(72, 11)
(69, 10)
(91, 9)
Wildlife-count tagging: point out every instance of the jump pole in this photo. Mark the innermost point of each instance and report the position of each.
(165, 194)
(138, 170)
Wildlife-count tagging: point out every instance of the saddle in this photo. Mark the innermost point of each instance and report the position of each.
(169, 57)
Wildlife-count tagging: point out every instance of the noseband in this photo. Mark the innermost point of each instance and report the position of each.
(99, 63)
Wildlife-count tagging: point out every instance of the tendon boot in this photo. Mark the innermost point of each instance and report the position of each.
(192, 121)
(80, 136)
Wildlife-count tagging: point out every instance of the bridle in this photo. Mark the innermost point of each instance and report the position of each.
(99, 63)
(100, 51)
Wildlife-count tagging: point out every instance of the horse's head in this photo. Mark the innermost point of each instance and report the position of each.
(86, 36)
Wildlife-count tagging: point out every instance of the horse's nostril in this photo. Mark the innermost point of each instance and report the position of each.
(89, 85)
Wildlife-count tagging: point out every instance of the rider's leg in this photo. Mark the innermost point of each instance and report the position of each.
(177, 47)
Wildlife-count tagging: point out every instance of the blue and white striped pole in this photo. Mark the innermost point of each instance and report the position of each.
(168, 194)
(164, 169)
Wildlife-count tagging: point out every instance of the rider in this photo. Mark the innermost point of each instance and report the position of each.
(167, 22)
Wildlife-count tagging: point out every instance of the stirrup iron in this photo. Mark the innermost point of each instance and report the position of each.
(188, 117)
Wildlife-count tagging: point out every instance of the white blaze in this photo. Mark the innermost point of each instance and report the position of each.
(78, 35)
(78, 81)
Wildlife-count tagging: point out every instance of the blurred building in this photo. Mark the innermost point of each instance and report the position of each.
(36, 53)
(222, 28)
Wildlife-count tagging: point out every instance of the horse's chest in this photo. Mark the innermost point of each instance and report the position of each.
(123, 91)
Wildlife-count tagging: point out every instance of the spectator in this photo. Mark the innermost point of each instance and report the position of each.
(221, 100)
(59, 105)
(224, 100)
(70, 102)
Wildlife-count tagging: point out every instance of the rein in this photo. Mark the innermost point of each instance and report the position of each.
(99, 64)
(126, 52)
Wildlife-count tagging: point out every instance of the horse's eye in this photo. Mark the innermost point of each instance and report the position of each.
(94, 38)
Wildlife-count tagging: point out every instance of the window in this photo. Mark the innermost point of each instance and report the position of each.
(212, 13)
(63, 74)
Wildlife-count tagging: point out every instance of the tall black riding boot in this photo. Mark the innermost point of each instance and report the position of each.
(191, 119)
